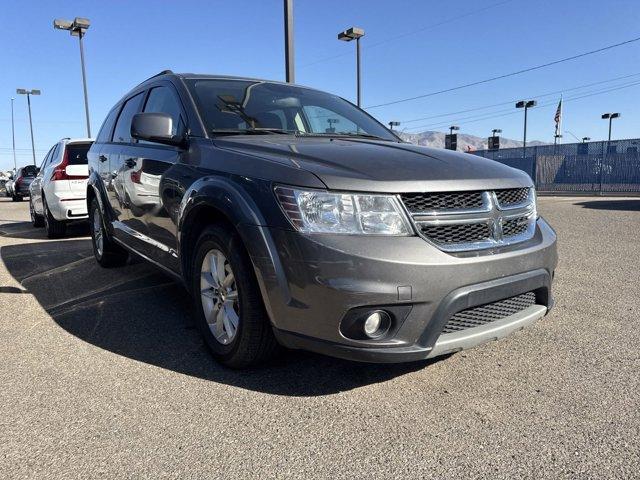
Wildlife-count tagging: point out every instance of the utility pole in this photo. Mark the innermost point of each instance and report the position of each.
(13, 137)
(288, 41)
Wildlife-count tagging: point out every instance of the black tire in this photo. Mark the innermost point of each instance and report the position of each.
(254, 341)
(36, 220)
(111, 254)
(54, 228)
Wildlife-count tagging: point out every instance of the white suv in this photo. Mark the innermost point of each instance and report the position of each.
(57, 194)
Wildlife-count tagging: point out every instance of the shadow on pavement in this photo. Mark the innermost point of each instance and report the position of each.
(28, 231)
(138, 312)
(630, 205)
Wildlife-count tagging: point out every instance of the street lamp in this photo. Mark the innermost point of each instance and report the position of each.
(610, 117)
(452, 128)
(78, 28)
(526, 104)
(354, 33)
(494, 131)
(393, 124)
(13, 137)
(585, 139)
(28, 93)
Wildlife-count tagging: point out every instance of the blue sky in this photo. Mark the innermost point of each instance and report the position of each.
(410, 48)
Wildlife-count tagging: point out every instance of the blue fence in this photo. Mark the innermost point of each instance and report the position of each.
(577, 167)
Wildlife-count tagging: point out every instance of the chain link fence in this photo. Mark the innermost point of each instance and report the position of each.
(577, 167)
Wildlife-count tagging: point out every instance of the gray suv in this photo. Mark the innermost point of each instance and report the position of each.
(295, 218)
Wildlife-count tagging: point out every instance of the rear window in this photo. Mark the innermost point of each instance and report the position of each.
(77, 153)
(29, 171)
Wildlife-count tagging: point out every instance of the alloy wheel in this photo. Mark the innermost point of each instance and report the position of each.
(219, 296)
(98, 235)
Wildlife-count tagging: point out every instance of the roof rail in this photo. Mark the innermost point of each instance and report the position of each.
(163, 72)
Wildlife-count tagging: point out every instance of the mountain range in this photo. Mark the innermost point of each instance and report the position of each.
(436, 140)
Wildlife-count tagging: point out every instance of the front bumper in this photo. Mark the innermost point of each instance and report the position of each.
(311, 282)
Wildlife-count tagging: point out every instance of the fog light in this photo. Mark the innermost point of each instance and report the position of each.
(376, 324)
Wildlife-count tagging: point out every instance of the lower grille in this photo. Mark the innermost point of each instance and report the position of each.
(490, 312)
(457, 233)
(515, 226)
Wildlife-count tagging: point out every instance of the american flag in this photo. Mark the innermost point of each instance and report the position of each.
(558, 113)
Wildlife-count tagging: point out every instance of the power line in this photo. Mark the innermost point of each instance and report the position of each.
(412, 32)
(506, 75)
(498, 114)
(509, 102)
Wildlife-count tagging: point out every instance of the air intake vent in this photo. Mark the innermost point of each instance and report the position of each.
(478, 316)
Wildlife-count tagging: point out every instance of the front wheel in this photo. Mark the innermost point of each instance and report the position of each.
(36, 220)
(228, 304)
(107, 252)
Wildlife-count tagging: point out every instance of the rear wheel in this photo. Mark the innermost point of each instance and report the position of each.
(228, 304)
(107, 252)
(54, 228)
(36, 220)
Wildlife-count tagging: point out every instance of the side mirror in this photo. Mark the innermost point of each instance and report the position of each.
(155, 127)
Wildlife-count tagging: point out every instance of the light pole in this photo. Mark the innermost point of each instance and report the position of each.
(495, 130)
(453, 128)
(28, 93)
(354, 33)
(610, 117)
(526, 104)
(13, 137)
(393, 124)
(288, 41)
(585, 139)
(78, 28)
(555, 139)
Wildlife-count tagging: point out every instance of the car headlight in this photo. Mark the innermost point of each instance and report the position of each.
(318, 211)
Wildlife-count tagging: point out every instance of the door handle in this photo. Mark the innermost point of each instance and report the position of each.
(102, 158)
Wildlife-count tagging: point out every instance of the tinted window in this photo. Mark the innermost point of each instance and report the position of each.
(77, 153)
(105, 132)
(29, 171)
(164, 100)
(122, 133)
(54, 154)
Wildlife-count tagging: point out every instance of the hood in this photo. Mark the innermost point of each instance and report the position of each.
(379, 166)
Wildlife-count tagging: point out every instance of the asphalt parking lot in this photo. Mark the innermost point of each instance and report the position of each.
(103, 375)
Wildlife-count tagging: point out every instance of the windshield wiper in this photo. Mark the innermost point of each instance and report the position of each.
(342, 134)
(251, 131)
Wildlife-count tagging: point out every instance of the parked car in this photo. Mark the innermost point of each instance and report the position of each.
(58, 193)
(294, 217)
(8, 185)
(19, 186)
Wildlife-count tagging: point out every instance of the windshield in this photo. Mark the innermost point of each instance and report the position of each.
(243, 106)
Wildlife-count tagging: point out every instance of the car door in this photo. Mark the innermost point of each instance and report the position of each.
(36, 185)
(151, 199)
(112, 153)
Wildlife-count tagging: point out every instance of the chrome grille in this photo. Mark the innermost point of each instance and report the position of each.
(462, 221)
(457, 233)
(512, 196)
(426, 202)
(490, 312)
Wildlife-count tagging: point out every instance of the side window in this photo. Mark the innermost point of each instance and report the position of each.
(47, 158)
(105, 132)
(164, 100)
(54, 154)
(122, 132)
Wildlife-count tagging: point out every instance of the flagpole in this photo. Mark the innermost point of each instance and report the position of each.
(561, 115)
